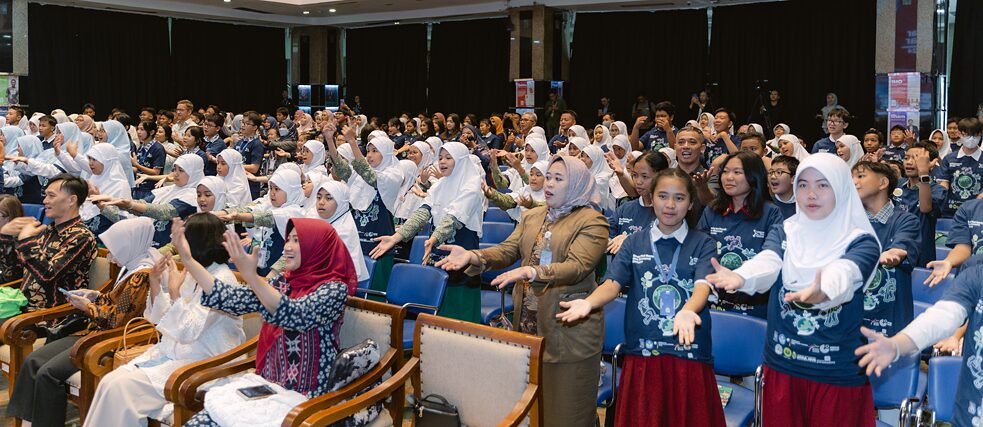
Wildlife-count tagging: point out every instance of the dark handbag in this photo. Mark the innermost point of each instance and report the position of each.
(71, 324)
(435, 411)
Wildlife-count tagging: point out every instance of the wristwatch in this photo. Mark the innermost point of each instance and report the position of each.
(924, 179)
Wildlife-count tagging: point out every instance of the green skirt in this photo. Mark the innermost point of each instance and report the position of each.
(462, 301)
(380, 276)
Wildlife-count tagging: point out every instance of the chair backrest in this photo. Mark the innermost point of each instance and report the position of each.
(921, 292)
(37, 211)
(364, 319)
(494, 214)
(451, 350)
(896, 383)
(418, 284)
(416, 251)
(496, 232)
(943, 375)
(99, 269)
(738, 343)
(614, 324)
(490, 275)
(941, 252)
(370, 265)
(943, 224)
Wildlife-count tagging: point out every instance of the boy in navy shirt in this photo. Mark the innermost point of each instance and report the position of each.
(897, 145)
(251, 147)
(662, 135)
(214, 143)
(723, 142)
(568, 118)
(962, 171)
(887, 297)
(836, 122)
(919, 195)
(780, 181)
(148, 159)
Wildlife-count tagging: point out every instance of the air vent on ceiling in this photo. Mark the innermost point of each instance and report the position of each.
(246, 9)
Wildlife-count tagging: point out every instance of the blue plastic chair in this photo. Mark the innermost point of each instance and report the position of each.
(370, 265)
(416, 251)
(897, 387)
(614, 336)
(37, 211)
(418, 288)
(491, 300)
(738, 351)
(943, 224)
(494, 214)
(943, 375)
(496, 232)
(921, 292)
(941, 252)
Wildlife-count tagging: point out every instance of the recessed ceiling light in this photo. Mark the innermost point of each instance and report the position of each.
(332, 10)
(307, 12)
(228, 1)
(396, 23)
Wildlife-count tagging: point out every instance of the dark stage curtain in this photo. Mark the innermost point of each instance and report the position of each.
(829, 48)
(621, 55)
(236, 67)
(107, 58)
(966, 85)
(387, 69)
(469, 67)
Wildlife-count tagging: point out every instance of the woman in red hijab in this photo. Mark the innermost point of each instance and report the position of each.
(302, 308)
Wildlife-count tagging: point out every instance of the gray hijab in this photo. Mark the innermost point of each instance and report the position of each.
(581, 190)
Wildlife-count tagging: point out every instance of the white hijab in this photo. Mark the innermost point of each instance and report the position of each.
(811, 245)
(435, 144)
(112, 180)
(798, 151)
(216, 186)
(579, 130)
(117, 136)
(621, 141)
(236, 183)
(289, 181)
(459, 194)
(670, 155)
(856, 148)
(527, 192)
(389, 178)
(130, 241)
(606, 138)
(317, 164)
(542, 149)
(316, 179)
(429, 155)
(59, 116)
(602, 175)
(188, 193)
(946, 143)
(342, 222)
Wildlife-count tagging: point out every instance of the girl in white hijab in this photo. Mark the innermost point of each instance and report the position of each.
(313, 152)
(36, 161)
(332, 206)
(789, 146)
(578, 130)
(618, 128)
(117, 136)
(670, 155)
(946, 148)
(269, 225)
(422, 153)
(536, 149)
(11, 177)
(32, 181)
(602, 136)
(779, 130)
(211, 194)
(828, 253)
(410, 174)
(575, 145)
(229, 168)
(527, 197)
(170, 201)
(455, 205)
(107, 174)
(849, 148)
(76, 146)
(593, 157)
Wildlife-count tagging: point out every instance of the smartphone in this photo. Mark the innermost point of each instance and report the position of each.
(256, 392)
(64, 291)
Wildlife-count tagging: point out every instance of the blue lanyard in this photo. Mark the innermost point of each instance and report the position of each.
(664, 277)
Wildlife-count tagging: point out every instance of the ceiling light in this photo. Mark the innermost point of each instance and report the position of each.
(307, 12)
(332, 10)
(228, 1)
(396, 23)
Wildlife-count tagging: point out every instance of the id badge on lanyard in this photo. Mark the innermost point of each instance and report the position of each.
(667, 296)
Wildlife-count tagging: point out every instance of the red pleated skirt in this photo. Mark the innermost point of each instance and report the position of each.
(795, 402)
(668, 391)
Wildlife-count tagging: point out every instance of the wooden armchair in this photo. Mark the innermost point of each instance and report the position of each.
(445, 353)
(19, 334)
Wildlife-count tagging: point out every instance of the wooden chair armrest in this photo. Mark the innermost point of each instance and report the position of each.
(388, 388)
(172, 390)
(97, 358)
(301, 412)
(81, 346)
(16, 283)
(17, 331)
(522, 407)
(188, 393)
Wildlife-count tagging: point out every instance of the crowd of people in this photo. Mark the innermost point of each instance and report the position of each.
(681, 217)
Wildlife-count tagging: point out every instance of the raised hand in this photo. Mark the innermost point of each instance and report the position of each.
(615, 244)
(810, 295)
(428, 248)
(385, 244)
(575, 310)
(878, 354)
(457, 259)
(892, 257)
(940, 270)
(512, 276)
(684, 326)
(724, 278)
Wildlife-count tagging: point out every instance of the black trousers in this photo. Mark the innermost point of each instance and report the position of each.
(39, 390)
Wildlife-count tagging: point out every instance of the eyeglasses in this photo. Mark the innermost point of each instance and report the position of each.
(834, 121)
(778, 173)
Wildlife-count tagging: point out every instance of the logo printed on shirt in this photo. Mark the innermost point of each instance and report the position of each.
(758, 234)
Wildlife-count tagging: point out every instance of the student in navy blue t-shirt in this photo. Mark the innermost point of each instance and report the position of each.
(740, 219)
(961, 302)
(251, 148)
(962, 171)
(780, 182)
(723, 142)
(918, 194)
(148, 159)
(637, 214)
(887, 298)
(897, 144)
(837, 121)
(662, 135)
(816, 264)
(214, 143)
(669, 367)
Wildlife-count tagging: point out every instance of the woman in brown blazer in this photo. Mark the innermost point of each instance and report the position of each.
(560, 246)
